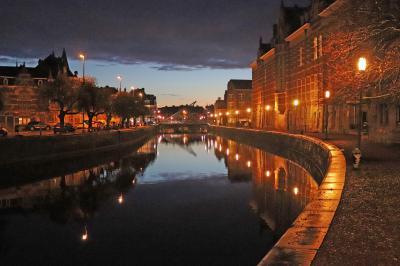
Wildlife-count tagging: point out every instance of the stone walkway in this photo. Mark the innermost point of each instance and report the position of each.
(366, 227)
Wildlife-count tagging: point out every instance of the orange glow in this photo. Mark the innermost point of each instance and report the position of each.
(120, 199)
(327, 94)
(248, 110)
(237, 112)
(227, 113)
(85, 235)
(362, 64)
(248, 164)
(268, 107)
(82, 56)
(237, 157)
(268, 174)
(296, 190)
(296, 102)
(227, 151)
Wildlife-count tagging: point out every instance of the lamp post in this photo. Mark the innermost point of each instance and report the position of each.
(362, 66)
(248, 110)
(119, 77)
(237, 118)
(326, 114)
(267, 108)
(82, 56)
(295, 104)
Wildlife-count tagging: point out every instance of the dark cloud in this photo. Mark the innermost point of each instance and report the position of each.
(171, 94)
(175, 34)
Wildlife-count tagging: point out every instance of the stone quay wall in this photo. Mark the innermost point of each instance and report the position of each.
(28, 149)
(326, 163)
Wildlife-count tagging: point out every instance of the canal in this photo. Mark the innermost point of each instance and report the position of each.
(177, 200)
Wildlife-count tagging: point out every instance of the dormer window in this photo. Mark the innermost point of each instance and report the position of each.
(5, 82)
(40, 82)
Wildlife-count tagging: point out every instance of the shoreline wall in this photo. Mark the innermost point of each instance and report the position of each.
(326, 163)
(28, 149)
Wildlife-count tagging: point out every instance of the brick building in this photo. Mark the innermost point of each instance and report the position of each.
(20, 85)
(290, 78)
(220, 111)
(238, 102)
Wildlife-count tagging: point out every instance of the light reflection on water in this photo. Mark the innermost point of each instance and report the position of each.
(179, 197)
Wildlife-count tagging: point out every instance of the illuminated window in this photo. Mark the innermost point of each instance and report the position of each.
(315, 48)
(320, 45)
(301, 56)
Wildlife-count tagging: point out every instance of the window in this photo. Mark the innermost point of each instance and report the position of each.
(5, 82)
(40, 82)
(320, 46)
(301, 56)
(384, 114)
(398, 115)
(315, 48)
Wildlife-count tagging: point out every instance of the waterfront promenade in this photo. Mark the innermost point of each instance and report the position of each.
(365, 230)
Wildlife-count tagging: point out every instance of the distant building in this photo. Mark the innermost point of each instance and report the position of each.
(219, 111)
(238, 102)
(20, 86)
(149, 101)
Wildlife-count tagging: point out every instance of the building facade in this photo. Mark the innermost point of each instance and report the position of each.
(238, 102)
(20, 86)
(291, 77)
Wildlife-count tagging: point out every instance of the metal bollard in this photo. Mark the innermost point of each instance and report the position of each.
(356, 158)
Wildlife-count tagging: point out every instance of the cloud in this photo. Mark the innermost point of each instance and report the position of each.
(175, 35)
(170, 94)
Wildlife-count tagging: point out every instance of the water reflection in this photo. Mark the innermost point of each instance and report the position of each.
(281, 188)
(266, 190)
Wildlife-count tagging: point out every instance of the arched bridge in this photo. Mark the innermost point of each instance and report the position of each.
(170, 128)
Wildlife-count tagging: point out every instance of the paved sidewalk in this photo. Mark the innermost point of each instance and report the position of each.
(366, 227)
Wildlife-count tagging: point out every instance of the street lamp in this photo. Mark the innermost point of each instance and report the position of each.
(237, 117)
(82, 56)
(119, 77)
(326, 114)
(362, 67)
(267, 108)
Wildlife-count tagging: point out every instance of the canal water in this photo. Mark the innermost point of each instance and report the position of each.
(177, 200)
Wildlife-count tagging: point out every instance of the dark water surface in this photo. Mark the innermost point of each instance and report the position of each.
(178, 200)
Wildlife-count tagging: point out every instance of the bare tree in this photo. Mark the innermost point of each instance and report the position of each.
(93, 100)
(370, 29)
(64, 92)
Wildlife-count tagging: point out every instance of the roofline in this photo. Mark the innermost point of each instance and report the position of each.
(331, 8)
(268, 54)
(298, 32)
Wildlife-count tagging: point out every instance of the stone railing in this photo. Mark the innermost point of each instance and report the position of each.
(326, 163)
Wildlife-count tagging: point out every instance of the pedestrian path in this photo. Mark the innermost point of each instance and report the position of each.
(366, 227)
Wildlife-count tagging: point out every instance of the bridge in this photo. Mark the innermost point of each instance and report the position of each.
(187, 127)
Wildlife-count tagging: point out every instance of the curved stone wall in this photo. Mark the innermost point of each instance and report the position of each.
(326, 163)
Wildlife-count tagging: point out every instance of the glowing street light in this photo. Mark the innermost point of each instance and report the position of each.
(85, 234)
(296, 102)
(82, 56)
(296, 190)
(227, 113)
(326, 119)
(362, 64)
(237, 157)
(119, 77)
(248, 110)
(248, 164)
(120, 199)
(267, 173)
(268, 107)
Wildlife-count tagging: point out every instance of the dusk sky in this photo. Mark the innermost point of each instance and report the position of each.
(180, 50)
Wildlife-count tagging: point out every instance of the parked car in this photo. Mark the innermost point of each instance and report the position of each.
(66, 129)
(3, 132)
(36, 125)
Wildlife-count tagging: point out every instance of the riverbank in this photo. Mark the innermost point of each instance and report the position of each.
(366, 227)
(300, 243)
(30, 149)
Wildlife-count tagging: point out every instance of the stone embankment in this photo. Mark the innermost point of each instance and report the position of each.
(28, 149)
(327, 164)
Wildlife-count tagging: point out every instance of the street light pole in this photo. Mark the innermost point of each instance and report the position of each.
(362, 66)
(119, 77)
(326, 114)
(82, 56)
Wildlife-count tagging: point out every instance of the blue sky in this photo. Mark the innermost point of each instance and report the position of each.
(170, 87)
